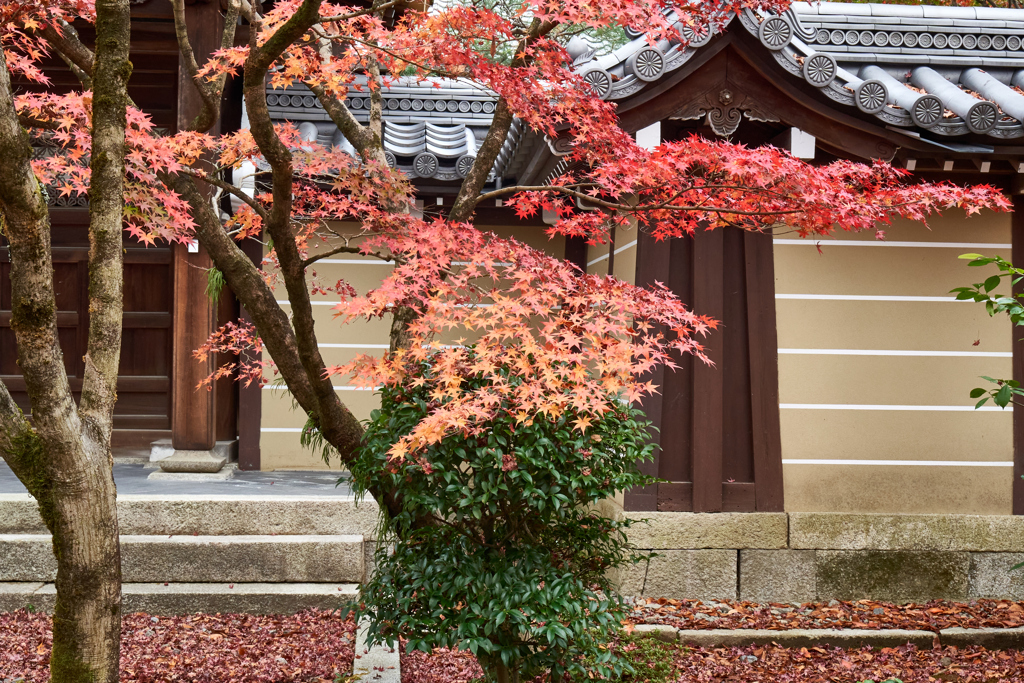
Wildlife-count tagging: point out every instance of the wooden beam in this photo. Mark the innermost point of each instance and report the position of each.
(193, 415)
(709, 300)
(764, 371)
(1017, 253)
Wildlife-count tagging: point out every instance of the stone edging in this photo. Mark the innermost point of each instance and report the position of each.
(991, 638)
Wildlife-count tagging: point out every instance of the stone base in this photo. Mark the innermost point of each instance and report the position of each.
(193, 462)
(227, 473)
(162, 449)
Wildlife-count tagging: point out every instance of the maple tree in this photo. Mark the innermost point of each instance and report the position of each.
(571, 342)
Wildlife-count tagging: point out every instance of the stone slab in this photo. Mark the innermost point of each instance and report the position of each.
(866, 531)
(669, 634)
(893, 576)
(204, 462)
(215, 515)
(692, 574)
(694, 530)
(220, 475)
(629, 580)
(19, 514)
(992, 576)
(807, 638)
(990, 638)
(21, 595)
(778, 576)
(253, 598)
(377, 664)
(243, 559)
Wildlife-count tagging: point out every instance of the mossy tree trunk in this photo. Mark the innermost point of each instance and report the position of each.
(63, 454)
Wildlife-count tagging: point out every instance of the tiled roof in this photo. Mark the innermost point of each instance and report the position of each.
(946, 71)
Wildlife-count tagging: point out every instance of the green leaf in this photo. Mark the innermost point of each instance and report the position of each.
(975, 393)
(981, 403)
(992, 282)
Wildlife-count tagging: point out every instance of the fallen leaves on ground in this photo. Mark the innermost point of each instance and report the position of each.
(767, 664)
(860, 614)
(309, 647)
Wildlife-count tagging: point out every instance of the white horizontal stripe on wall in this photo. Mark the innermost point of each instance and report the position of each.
(354, 346)
(912, 463)
(355, 262)
(274, 387)
(869, 297)
(618, 251)
(883, 243)
(285, 302)
(896, 352)
(288, 430)
(873, 406)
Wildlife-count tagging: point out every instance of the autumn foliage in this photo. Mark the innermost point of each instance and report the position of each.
(571, 338)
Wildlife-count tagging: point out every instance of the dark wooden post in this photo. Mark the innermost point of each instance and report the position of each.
(708, 299)
(1017, 256)
(193, 418)
(764, 371)
(652, 265)
(250, 398)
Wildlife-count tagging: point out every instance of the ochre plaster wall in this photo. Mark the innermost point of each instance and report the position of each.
(869, 374)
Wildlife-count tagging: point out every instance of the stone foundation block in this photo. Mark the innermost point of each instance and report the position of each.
(19, 514)
(865, 531)
(992, 577)
(629, 580)
(694, 530)
(692, 574)
(893, 576)
(27, 557)
(778, 575)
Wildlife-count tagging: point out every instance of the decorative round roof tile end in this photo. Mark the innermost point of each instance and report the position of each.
(425, 165)
(600, 81)
(390, 157)
(982, 117)
(464, 165)
(647, 64)
(871, 96)
(819, 69)
(697, 35)
(927, 111)
(775, 33)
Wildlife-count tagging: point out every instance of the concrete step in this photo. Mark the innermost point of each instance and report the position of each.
(186, 598)
(191, 559)
(215, 515)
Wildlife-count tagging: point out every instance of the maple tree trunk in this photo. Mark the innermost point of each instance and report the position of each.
(63, 455)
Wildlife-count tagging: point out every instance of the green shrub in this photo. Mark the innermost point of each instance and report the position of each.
(498, 549)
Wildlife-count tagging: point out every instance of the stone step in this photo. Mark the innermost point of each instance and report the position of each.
(245, 559)
(215, 515)
(186, 598)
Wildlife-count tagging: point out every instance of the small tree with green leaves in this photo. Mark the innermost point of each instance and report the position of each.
(498, 548)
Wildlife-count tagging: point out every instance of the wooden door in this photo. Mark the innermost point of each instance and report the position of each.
(717, 427)
(143, 409)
